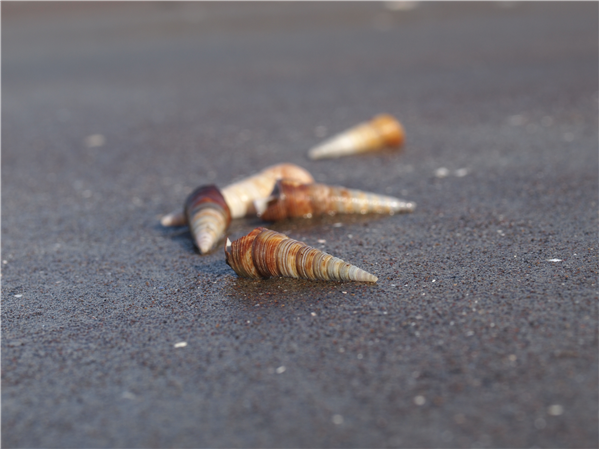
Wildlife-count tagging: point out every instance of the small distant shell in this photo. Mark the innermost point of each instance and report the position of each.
(381, 132)
(266, 253)
(208, 216)
(240, 196)
(291, 199)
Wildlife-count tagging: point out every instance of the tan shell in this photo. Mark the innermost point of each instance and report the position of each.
(240, 196)
(266, 253)
(208, 216)
(380, 132)
(291, 199)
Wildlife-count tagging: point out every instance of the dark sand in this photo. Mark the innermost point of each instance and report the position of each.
(483, 328)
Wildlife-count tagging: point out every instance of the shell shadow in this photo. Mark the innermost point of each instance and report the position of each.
(214, 267)
(181, 235)
(273, 292)
(322, 222)
(242, 227)
(279, 302)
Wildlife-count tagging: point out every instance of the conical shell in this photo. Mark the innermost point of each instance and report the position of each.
(291, 199)
(381, 132)
(240, 196)
(266, 253)
(208, 216)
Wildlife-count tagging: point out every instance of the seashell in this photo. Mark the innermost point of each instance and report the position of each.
(240, 196)
(265, 253)
(208, 216)
(380, 132)
(291, 199)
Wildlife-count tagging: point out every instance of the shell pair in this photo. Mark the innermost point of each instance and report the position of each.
(265, 253)
(208, 211)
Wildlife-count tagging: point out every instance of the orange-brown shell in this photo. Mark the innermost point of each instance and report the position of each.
(265, 253)
(291, 199)
(208, 216)
(390, 130)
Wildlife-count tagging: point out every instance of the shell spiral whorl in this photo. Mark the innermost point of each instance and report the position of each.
(208, 216)
(265, 253)
(291, 199)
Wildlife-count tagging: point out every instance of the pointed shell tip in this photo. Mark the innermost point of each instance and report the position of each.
(205, 247)
(315, 153)
(370, 278)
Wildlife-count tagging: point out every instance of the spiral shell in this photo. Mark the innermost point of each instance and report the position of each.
(380, 132)
(208, 216)
(291, 199)
(265, 253)
(240, 196)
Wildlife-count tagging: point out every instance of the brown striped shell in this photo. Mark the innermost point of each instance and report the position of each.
(240, 196)
(291, 199)
(265, 253)
(208, 216)
(380, 132)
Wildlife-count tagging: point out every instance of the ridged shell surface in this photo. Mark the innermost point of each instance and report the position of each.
(240, 196)
(380, 132)
(208, 216)
(291, 199)
(265, 253)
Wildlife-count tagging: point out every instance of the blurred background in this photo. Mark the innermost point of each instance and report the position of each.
(482, 331)
(269, 80)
